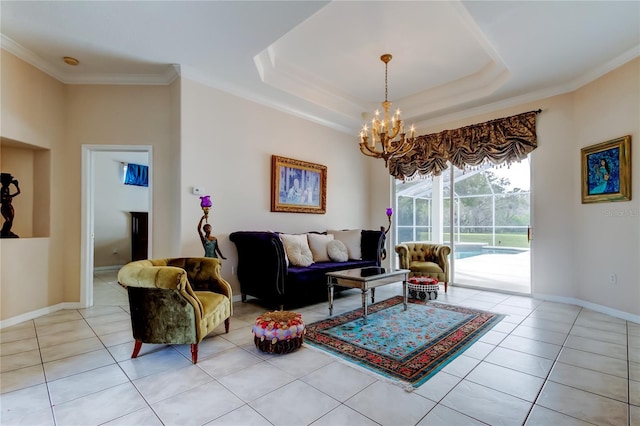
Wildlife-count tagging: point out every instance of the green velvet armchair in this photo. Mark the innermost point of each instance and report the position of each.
(425, 260)
(176, 301)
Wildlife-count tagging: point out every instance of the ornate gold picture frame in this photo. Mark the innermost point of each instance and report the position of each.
(606, 171)
(298, 186)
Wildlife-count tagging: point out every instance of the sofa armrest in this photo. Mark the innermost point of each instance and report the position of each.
(372, 243)
(403, 255)
(143, 273)
(203, 273)
(156, 274)
(260, 254)
(442, 252)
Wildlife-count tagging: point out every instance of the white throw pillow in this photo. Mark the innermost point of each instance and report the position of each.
(297, 249)
(337, 251)
(351, 239)
(318, 245)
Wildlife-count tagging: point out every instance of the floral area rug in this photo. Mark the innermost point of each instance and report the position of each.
(410, 346)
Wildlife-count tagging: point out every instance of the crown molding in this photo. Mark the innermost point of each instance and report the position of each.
(601, 70)
(302, 84)
(241, 92)
(173, 71)
(167, 77)
(537, 95)
(28, 56)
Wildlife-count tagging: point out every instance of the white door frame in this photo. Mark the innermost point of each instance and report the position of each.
(88, 205)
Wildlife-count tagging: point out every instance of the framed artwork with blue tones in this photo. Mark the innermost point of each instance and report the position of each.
(298, 186)
(606, 171)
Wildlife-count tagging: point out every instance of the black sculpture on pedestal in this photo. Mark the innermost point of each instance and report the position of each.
(7, 208)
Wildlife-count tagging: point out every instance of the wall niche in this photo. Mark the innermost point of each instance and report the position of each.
(31, 166)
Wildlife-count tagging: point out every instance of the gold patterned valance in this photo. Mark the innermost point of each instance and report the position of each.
(504, 140)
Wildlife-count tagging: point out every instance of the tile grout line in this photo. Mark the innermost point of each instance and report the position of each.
(546, 379)
(44, 374)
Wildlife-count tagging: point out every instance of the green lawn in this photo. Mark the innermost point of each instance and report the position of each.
(505, 240)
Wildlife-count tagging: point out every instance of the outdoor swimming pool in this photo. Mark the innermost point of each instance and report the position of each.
(463, 254)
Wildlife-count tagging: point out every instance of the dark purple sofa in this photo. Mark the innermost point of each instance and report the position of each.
(263, 273)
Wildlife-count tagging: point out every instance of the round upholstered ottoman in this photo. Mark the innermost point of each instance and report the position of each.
(279, 332)
(423, 288)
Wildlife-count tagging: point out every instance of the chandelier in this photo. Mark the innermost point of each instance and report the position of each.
(382, 142)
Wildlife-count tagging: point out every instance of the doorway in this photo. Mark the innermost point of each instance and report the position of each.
(90, 178)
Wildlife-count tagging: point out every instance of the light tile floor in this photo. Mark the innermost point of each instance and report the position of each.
(544, 364)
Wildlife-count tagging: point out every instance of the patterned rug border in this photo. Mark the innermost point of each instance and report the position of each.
(419, 366)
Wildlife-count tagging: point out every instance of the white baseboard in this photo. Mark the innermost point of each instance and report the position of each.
(589, 305)
(38, 313)
(107, 268)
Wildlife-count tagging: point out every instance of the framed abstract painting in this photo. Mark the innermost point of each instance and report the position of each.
(298, 186)
(606, 171)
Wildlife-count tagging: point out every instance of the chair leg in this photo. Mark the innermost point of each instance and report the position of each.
(136, 349)
(226, 325)
(445, 286)
(194, 353)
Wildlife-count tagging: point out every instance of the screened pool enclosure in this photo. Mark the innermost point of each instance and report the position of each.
(490, 221)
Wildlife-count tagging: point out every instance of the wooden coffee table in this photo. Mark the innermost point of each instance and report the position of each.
(366, 279)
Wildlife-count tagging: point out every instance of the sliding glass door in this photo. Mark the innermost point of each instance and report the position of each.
(486, 224)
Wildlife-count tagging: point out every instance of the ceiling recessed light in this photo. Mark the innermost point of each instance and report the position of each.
(71, 61)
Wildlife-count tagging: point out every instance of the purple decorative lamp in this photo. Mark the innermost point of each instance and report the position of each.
(389, 214)
(205, 203)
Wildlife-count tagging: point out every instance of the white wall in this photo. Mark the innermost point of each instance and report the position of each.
(113, 202)
(227, 144)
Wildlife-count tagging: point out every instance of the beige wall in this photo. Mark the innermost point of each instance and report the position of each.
(227, 143)
(38, 110)
(32, 112)
(117, 115)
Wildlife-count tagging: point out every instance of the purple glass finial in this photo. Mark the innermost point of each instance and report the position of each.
(389, 211)
(205, 201)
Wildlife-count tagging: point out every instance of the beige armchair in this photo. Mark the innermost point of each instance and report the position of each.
(176, 301)
(425, 260)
